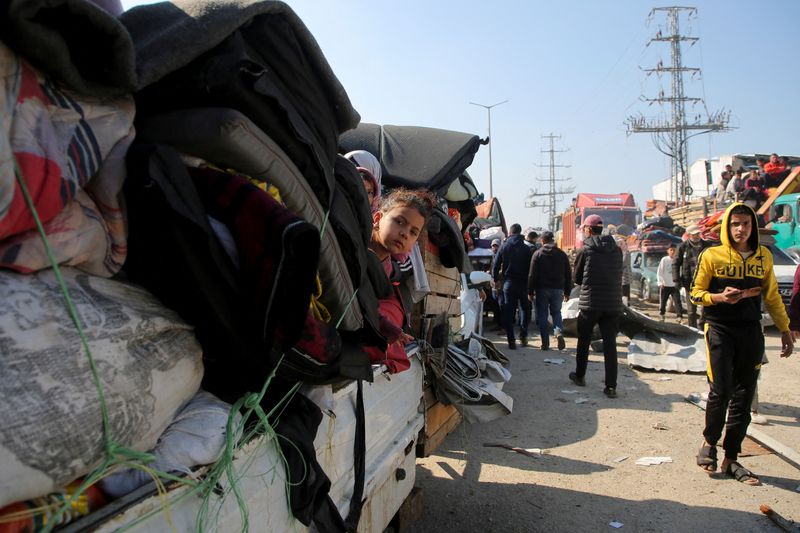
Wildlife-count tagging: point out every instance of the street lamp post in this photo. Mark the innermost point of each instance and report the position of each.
(489, 115)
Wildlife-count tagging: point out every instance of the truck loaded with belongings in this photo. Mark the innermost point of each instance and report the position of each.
(187, 289)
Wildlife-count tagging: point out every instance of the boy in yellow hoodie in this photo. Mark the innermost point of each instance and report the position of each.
(729, 282)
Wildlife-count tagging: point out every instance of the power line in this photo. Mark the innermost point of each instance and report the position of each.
(670, 136)
(552, 194)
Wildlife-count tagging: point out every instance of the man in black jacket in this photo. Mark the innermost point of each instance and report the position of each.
(683, 268)
(550, 281)
(513, 260)
(598, 271)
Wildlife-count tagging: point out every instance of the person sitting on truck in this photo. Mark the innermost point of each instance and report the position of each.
(754, 190)
(722, 186)
(776, 171)
(735, 186)
(397, 224)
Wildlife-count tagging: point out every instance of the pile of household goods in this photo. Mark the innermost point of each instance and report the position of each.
(489, 224)
(653, 235)
(212, 254)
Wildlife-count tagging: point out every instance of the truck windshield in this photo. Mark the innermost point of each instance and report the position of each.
(614, 216)
(652, 259)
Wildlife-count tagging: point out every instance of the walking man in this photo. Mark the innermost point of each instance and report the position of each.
(667, 287)
(730, 281)
(598, 271)
(683, 267)
(513, 261)
(550, 282)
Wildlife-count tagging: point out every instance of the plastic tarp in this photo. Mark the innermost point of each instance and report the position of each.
(676, 354)
(412, 156)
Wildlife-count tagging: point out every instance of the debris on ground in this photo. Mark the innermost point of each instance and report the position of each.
(556, 361)
(651, 461)
(777, 519)
(530, 452)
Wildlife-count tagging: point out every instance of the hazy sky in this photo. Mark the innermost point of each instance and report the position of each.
(568, 67)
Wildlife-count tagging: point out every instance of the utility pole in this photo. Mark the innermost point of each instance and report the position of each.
(553, 194)
(670, 136)
(489, 138)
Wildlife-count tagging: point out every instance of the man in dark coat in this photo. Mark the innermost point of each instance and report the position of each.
(550, 281)
(513, 261)
(683, 268)
(598, 271)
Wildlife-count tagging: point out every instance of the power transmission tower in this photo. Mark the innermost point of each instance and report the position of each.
(670, 136)
(552, 194)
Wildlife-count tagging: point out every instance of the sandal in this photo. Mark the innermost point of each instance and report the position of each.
(741, 474)
(707, 457)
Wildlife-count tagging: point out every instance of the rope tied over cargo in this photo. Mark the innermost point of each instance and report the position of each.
(116, 454)
(235, 440)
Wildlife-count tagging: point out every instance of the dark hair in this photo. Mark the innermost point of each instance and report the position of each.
(596, 230)
(422, 200)
(671, 245)
(515, 229)
(532, 235)
(741, 209)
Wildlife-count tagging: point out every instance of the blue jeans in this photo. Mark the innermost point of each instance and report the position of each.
(515, 294)
(548, 302)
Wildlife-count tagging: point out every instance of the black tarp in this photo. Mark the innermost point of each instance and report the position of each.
(413, 156)
(255, 57)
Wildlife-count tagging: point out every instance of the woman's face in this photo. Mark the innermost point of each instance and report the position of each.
(370, 187)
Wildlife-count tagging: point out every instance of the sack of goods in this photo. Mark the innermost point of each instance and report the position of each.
(147, 360)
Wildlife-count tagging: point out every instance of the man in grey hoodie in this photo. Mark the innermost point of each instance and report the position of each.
(598, 271)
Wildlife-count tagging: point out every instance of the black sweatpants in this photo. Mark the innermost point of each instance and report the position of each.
(609, 326)
(734, 353)
(666, 293)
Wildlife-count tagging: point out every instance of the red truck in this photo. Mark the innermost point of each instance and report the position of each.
(613, 209)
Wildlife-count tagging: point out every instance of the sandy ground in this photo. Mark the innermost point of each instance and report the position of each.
(586, 476)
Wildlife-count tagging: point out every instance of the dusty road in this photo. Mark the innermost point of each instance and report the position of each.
(586, 476)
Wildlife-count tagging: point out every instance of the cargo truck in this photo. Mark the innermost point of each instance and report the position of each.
(614, 209)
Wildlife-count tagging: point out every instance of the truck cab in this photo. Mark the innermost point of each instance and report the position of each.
(783, 218)
(614, 209)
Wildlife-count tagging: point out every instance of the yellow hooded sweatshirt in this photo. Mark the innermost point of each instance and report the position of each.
(723, 266)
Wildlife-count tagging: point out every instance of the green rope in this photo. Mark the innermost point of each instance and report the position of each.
(324, 224)
(224, 466)
(116, 455)
(346, 308)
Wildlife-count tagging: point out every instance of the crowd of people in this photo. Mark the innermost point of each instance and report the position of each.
(751, 187)
(728, 281)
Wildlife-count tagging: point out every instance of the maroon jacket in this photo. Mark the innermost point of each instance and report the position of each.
(794, 303)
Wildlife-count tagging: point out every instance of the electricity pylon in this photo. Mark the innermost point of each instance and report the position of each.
(552, 194)
(670, 135)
